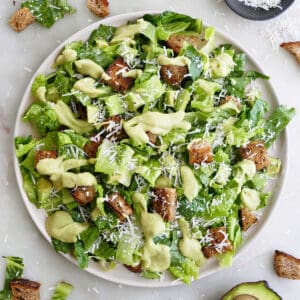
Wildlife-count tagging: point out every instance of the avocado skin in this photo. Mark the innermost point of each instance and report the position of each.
(259, 289)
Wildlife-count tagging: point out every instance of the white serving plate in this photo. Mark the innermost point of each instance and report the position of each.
(120, 274)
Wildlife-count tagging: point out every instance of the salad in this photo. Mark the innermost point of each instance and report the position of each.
(151, 148)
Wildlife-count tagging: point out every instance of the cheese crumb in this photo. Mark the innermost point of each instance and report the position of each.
(264, 4)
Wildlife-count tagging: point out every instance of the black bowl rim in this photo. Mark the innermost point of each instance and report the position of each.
(246, 16)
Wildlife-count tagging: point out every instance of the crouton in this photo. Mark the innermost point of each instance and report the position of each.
(247, 219)
(173, 75)
(218, 242)
(24, 289)
(135, 269)
(91, 147)
(84, 195)
(257, 152)
(231, 98)
(98, 7)
(294, 48)
(21, 19)
(115, 71)
(200, 151)
(286, 265)
(113, 128)
(165, 203)
(118, 204)
(42, 154)
(152, 137)
(176, 41)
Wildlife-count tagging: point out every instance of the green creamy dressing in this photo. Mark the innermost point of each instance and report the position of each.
(61, 226)
(127, 32)
(90, 68)
(155, 258)
(191, 186)
(87, 86)
(68, 55)
(135, 73)
(175, 61)
(155, 122)
(66, 117)
(57, 169)
(189, 246)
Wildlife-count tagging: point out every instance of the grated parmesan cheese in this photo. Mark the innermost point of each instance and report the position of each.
(264, 4)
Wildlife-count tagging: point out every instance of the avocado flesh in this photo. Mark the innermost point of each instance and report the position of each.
(260, 290)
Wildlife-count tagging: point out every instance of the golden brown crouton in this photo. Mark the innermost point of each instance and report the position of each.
(229, 98)
(42, 154)
(176, 41)
(21, 19)
(113, 128)
(200, 151)
(84, 195)
(152, 137)
(98, 7)
(91, 147)
(118, 204)
(286, 265)
(136, 269)
(218, 242)
(117, 81)
(257, 152)
(294, 48)
(165, 203)
(247, 218)
(173, 75)
(24, 289)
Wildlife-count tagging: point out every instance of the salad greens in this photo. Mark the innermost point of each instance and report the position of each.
(14, 269)
(62, 291)
(152, 147)
(47, 12)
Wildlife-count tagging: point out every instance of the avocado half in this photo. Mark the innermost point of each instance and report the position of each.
(259, 290)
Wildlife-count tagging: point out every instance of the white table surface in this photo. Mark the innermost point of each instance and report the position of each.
(20, 56)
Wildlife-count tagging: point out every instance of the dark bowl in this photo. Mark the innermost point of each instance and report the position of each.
(257, 14)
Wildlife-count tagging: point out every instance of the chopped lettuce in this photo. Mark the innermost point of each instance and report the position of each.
(14, 269)
(62, 291)
(47, 12)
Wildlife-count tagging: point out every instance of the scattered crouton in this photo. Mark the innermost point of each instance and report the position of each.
(113, 128)
(98, 7)
(24, 289)
(200, 151)
(135, 269)
(257, 152)
(218, 242)
(173, 75)
(286, 265)
(42, 154)
(294, 48)
(115, 71)
(118, 204)
(84, 195)
(165, 203)
(176, 41)
(21, 19)
(247, 218)
(152, 137)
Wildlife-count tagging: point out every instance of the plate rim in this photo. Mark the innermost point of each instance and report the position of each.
(146, 283)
